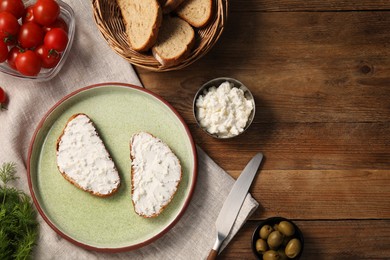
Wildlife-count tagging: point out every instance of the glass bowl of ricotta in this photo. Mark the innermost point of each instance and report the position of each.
(224, 108)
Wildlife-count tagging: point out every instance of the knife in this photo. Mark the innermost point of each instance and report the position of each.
(232, 205)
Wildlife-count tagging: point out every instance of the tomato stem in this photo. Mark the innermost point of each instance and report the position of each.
(52, 53)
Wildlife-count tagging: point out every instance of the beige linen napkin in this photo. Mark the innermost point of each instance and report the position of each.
(91, 61)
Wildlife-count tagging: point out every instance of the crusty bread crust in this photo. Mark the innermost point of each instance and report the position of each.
(70, 179)
(152, 37)
(166, 61)
(132, 181)
(187, 9)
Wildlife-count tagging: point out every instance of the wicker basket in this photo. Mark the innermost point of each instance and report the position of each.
(109, 21)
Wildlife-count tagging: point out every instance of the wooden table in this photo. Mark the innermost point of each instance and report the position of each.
(320, 74)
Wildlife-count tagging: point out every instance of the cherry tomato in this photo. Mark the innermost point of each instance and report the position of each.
(12, 54)
(30, 35)
(3, 98)
(28, 63)
(3, 51)
(46, 11)
(15, 7)
(29, 16)
(56, 39)
(49, 58)
(9, 28)
(59, 23)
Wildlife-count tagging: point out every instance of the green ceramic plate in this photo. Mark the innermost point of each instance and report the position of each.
(108, 224)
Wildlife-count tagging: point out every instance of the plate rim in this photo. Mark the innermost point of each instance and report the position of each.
(122, 248)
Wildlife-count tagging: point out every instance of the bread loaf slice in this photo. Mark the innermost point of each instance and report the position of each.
(142, 19)
(155, 174)
(175, 41)
(196, 12)
(171, 5)
(83, 159)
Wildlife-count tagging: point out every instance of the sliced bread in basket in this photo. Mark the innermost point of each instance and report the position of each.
(175, 41)
(142, 19)
(196, 12)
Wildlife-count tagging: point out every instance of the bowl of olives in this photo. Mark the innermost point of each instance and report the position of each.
(277, 238)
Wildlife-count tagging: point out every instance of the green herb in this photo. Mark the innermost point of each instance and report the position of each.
(18, 225)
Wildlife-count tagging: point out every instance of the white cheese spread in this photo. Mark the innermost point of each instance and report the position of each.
(224, 110)
(156, 173)
(83, 157)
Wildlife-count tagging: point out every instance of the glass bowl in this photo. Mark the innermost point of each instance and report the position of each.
(216, 83)
(66, 13)
(272, 222)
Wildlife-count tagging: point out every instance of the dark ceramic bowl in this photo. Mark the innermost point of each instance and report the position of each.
(272, 221)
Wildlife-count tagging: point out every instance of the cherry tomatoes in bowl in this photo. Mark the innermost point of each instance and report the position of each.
(59, 23)
(56, 39)
(46, 11)
(14, 7)
(30, 35)
(12, 54)
(49, 58)
(3, 51)
(9, 28)
(23, 50)
(29, 15)
(28, 63)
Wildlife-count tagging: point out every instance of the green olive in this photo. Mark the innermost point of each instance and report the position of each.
(265, 231)
(271, 255)
(275, 239)
(286, 228)
(282, 254)
(293, 248)
(261, 246)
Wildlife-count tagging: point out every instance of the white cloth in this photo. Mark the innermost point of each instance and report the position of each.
(92, 61)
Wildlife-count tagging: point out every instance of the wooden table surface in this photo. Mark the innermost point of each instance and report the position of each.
(320, 74)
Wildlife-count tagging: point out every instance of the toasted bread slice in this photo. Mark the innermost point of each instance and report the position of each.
(171, 5)
(83, 160)
(155, 174)
(175, 41)
(143, 20)
(196, 12)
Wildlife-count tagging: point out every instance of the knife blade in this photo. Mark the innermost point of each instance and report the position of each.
(232, 205)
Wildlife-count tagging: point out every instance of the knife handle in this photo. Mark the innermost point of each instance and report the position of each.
(212, 255)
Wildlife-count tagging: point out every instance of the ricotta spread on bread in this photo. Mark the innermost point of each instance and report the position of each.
(83, 160)
(223, 110)
(156, 173)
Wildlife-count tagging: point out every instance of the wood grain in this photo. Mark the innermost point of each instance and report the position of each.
(299, 67)
(321, 81)
(310, 6)
(347, 239)
(322, 102)
(334, 194)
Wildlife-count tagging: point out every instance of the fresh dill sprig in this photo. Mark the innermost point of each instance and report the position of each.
(7, 172)
(18, 224)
